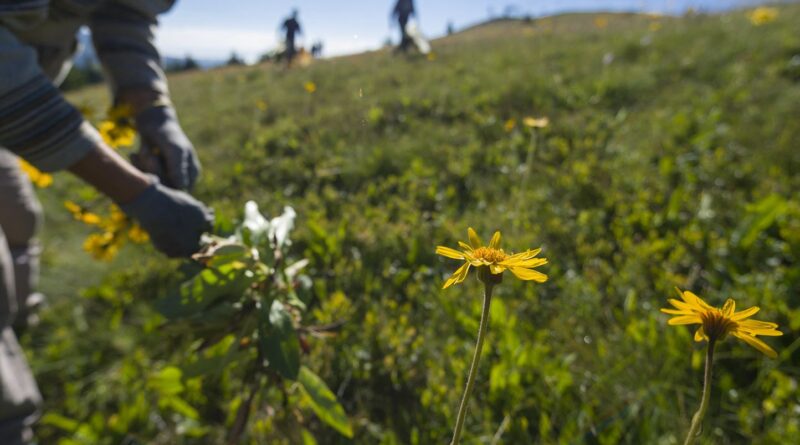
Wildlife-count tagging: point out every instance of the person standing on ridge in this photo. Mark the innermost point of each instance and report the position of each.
(403, 10)
(37, 42)
(292, 28)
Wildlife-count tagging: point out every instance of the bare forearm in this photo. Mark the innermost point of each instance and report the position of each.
(109, 173)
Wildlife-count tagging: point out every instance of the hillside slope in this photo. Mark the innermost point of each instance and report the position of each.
(671, 159)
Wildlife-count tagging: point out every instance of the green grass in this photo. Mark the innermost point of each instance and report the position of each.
(676, 164)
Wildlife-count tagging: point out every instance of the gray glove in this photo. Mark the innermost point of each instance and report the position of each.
(173, 219)
(166, 151)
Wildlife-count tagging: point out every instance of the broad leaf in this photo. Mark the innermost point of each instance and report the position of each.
(323, 402)
(279, 342)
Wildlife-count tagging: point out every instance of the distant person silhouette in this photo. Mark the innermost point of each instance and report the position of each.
(316, 49)
(292, 28)
(403, 11)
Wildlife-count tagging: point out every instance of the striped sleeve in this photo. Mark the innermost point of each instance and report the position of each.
(36, 123)
(123, 35)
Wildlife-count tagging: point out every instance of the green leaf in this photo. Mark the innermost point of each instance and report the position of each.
(323, 402)
(279, 342)
(761, 216)
(229, 280)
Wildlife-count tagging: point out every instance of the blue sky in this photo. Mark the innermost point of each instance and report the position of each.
(211, 29)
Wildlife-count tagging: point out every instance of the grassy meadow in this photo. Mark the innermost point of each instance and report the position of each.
(671, 158)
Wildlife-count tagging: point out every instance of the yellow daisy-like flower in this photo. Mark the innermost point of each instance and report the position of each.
(102, 247)
(763, 15)
(118, 130)
(310, 87)
(716, 324)
(494, 258)
(510, 125)
(39, 178)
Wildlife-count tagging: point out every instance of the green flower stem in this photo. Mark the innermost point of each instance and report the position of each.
(697, 420)
(473, 370)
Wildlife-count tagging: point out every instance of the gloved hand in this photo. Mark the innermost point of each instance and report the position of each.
(166, 151)
(173, 219)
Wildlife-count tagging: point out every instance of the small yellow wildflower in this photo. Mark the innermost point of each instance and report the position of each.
(431, 57)
(716, 324)
(39, 178)
(494, 258)
(762, 15)
(261, 105)
(102, 247)
(510, 125)
(310, 87)
(81, 214)
(532, 122)
(601, 22)
(137, 234)
(118, 130)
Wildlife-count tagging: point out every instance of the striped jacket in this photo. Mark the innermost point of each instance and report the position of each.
(37, 42)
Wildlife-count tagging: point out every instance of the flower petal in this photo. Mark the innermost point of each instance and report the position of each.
(700, 335)
(495, 241)
(465, 246)
(756, 324)
(449, 253)
(749, 312)
(683, 306)
(458, 276)
(684, 319)
(525, 255)
(528, 274)
(474, 239)
(529, 263)
(756, 343)
(694, 300)
(676, 312)
(496, 269)
(729, 308)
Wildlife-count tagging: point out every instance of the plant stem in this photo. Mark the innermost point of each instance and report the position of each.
(473, 369)
(697, 420)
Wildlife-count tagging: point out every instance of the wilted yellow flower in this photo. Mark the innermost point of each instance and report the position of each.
(310, 87)
(39, 178)
(118, 130)
(510, 125)
(102, 246)
(716, 324)
(762, 15)
(532, 122)
(492, 257)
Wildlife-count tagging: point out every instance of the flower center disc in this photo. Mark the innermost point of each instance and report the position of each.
(489, 254)
(716, 325)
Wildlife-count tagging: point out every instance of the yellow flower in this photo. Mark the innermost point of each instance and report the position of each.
(41, 179)
(600, 22)
(81, 214)
(310, 87)
(118, 130)
(494, 258)
(261, 105)
(102, 247)
(137, 234)
(510, 125)
(716, 323)
(763, 15)
(532, 122)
